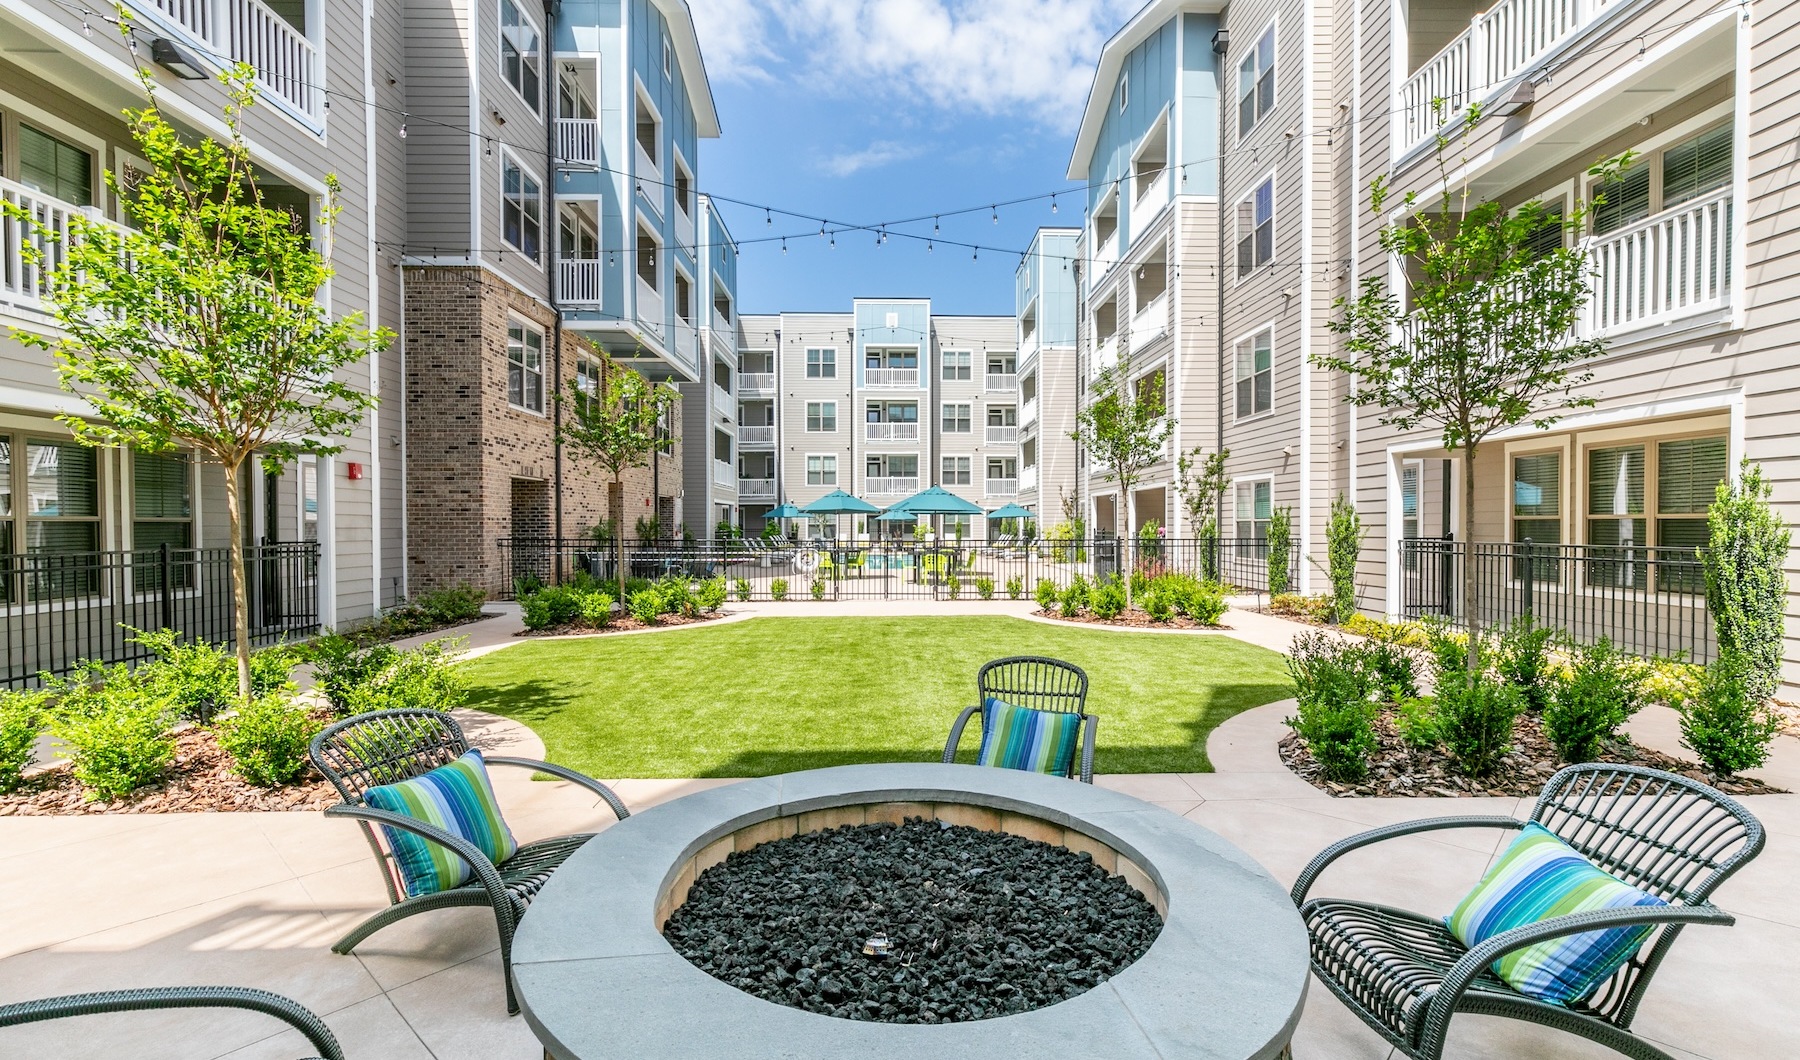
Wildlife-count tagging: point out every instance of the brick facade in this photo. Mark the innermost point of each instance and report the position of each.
(479, 468)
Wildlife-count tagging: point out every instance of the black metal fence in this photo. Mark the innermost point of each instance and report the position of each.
(1648, 601)
(59, 608)
(892, 569)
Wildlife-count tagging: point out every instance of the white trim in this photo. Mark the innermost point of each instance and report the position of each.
(327, 528)
(545, 238)
(1270, 27)
(1307, 194)
(1272, 178)
(1740, 182)
(1270, 327)
(374, 319)
(543, 53)
(476, 143)
(545, 396)
(806, 469)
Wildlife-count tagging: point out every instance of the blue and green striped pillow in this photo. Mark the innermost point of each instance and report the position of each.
(1540, 877)
(1040, 741)
(456, 797)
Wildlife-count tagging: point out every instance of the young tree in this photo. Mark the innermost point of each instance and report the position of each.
(1487, 334)
(1746, 585)
(1343, 544)
(200, 327)
(617, 428)
(1123, 426)
(1200, 481)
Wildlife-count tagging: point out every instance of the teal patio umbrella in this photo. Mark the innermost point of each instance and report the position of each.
(783, 511)
(934, 501)
(1012, 511)
(837, 502)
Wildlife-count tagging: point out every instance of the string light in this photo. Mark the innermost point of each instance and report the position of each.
(996, 212)
(768, 218)
(784, 246)
(402, 126)
(1053, 202)
(934, 226)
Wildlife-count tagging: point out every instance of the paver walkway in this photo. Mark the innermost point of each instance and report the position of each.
(257, 899)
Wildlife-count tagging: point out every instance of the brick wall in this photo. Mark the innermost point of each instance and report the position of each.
(467, 446)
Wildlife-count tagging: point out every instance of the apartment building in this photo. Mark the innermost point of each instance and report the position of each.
(1049, 379)
(881, 402)
(1229, 151)
(709, 405)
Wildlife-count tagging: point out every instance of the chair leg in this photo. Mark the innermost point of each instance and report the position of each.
(393, 914)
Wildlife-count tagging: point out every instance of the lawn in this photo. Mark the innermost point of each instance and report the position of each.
(773, 695)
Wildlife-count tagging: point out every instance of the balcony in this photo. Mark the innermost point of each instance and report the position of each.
(1003, 382)
(647, 170)
(1107, 354)
(578, 281)
(650, 308)
(891, 486)
(1150, 202)
(578, 141)
(687, 344)
(756, 437)
(1001, 487)
(684, 224)
(1028, 413)
(724, 474)
(1002, 435)
(1670, 265)
(22, 283)
(1028, 479)
(891, 432)
(1497, 46)
(756, 382)
(722, 401)
(248, 31)
(756, 489)
(891, 378)
(1151, 322)
(722, 327)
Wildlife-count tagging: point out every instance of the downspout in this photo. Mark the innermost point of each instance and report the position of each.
(553, 274)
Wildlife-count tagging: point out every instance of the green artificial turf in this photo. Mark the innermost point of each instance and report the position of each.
(773, 695)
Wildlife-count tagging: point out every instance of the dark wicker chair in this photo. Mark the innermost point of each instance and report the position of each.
(1406, 974)
(387, 746)
(292, 1012)
(1041, 684)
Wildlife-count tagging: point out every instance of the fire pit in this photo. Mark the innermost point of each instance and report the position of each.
(916, 911)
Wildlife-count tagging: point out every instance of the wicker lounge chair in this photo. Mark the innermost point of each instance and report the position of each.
(289, 1011)
(388, 746)
(1041, 684)
(1405, 974)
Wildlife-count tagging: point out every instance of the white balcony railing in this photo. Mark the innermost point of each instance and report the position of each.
(1002, 435)
(722, 401)
(755, 436)
(650, 308)
(1104, 259)
(1107, 354)
(1150, 202)
(687, 343)
(1028, 478)
(724, 474)
(891, 485)
(1151, 322)
(1028, 413)
(1670, 265)
(891, 432)
(684, 224)
(578, 141)
(1004, 382)
(1002, 487)
(22, 284)
(750, 489)
(722, 327)
(1499, 44)
(249, 31)
(756, 382)
(647, 171)
(578, 281)
(891, 377)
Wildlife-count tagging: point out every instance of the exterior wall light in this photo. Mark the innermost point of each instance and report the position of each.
(175, 59)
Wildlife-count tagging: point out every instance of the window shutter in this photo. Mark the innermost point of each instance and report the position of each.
(1616, 481)
(1697, 166)
(1688, 473)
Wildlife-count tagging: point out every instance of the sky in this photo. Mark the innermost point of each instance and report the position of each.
(865, 111)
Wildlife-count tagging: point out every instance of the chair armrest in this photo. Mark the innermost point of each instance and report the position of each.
(1470, 965)
(286, 1009)
(956, 732)
(1376, 835)
(479, 862)
(570, 775)
(1090, 726)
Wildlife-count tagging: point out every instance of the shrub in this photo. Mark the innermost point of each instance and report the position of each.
(421, 678)
(984, 587)
(199, 680)
(778, 588)
(450, 606)
(1107, 599)
(1309, 608)
(712, 594)
(1046, 594)
(341, 666)
(1158, 606)
(1449, 648)
(267, 740)
(953, 585)
(1475, 717)
(1417, 721)
(1671, 681)
(1343, 543)
(1074, 596)
(596, 608)
(1336, 717)
(677, 597)
(742, 587)
(1015, 587)
(1393, 667)
(22, 718)
(1281, 539)
(551, 606)
(645, 605)
(1746, 580)
(1405, 634)
(1585, 710)
(817, 588)
(115, 729)
(1525, 661)
(1723, 722)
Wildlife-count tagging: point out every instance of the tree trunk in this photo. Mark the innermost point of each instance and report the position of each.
(240, 586)
(1470, 581)
(615, 514)
(1130, 563)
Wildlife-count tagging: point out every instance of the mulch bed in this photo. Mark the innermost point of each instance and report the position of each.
(200, 780)
(1397, 770)
(619, 624)
(964, 924)
(1134, 619)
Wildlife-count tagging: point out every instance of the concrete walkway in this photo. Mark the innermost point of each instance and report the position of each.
(93, 903)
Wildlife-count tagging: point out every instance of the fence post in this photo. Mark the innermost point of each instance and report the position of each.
(167, 602)
(1449, 586)
(1530, 577)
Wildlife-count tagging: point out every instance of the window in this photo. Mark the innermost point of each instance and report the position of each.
(668, 59)
(957, 366)
(519, 52)
(1537, 509)
(648, 250)
(1660, 180)
(162, 513)
(1688, 473)
(62, 515)
(1256, 228)
(587, 378)
(1256, 373)
(684, 189)
(649, 131)
(1254, 502)
(525, 366)
(1002, 468)
(1547, 239)
(1409, 509)
(1256, 82)
(956, 419)
(821, 471)
(55, 167)
(1001, 364)
(821, 415)
(821, 364)
(1124, 91)
(1148, 389)
(956, 471)
(521, 208)
(684, 298)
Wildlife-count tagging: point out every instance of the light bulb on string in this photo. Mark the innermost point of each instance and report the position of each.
(402, 126)
(834, 240)
(929, 246)
(768, 218)
(1052, 203)
(784, 245)
(934, 226)
(996, 212)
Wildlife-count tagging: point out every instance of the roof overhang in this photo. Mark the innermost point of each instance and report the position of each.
(693, 67)
(1148, 20)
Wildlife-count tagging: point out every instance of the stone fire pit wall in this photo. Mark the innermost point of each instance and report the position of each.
(1224, 980)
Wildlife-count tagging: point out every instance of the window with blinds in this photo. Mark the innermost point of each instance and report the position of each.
(1623, 200)
(1615, 525)
(55, 167)
(1256, 374)
(1694, 167)
(1537, 498)
(62, 491)
(1254, 502)
(1547, 238)
(162, 513)
(1256, 228)
(1409, 511)
(6, 519)
(1688, 473)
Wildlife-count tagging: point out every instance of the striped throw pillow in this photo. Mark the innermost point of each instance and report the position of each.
(457, 798)
(1540, 877)
(1040, 741)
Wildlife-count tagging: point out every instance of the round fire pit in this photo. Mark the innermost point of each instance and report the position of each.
(1223, 977)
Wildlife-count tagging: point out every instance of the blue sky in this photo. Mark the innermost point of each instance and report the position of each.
(872, 110)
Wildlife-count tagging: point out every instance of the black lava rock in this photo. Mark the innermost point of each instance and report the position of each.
(978, 924)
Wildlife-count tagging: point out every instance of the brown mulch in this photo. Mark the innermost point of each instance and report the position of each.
(1397, 770)
(200, 780)
(1135, 619)
(619, 624)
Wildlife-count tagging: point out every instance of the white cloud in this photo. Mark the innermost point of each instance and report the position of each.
(879, 153)
(1031, 58)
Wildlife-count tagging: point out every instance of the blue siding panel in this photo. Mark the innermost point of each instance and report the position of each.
(1199, 148)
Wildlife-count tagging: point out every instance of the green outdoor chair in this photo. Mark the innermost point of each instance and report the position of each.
(934, 565)
(858, 562)
(1038, 683)
(165, 997)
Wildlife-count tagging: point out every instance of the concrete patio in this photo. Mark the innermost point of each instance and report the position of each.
(103, 902)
